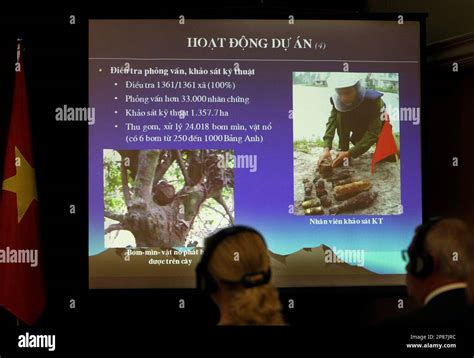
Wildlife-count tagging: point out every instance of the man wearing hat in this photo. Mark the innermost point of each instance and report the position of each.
(355, 115)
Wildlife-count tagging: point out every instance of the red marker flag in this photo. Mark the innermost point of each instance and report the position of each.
(386, 145)
(21, 275)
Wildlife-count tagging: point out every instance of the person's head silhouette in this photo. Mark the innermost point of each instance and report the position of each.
(235, 271)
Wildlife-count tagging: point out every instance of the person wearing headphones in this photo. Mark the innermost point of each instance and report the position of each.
(235, 271)
(468, 318)
(470, 280)
(437, 271)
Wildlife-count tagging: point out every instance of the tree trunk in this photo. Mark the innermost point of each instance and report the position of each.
(168, 225)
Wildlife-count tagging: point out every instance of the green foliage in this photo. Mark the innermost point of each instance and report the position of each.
(397, 139)
(113, 195)
(313, 79)
(386, 89)
(305, 145)
(174, 176)
(228, 194)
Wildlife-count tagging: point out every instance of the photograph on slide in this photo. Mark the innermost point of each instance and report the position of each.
(346, 148)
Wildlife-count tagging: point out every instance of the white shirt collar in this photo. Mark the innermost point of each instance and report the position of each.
(440, 290)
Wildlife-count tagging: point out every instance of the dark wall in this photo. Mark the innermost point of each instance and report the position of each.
(449, 118)
(446, 19)
(122, 320)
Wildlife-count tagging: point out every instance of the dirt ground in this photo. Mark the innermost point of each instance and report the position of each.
(385, 181)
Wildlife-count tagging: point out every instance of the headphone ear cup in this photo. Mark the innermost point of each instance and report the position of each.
(422, 266)
(419, 266)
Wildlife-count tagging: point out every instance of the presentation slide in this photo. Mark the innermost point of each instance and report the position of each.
(306, 130)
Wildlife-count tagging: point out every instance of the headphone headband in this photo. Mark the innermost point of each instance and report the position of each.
(253, 279)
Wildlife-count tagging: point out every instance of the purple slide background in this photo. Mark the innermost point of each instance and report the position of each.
(261, 198)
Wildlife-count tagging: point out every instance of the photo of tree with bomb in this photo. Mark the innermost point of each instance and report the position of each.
(166, 198)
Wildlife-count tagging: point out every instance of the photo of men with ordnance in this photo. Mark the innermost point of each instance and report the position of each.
(346, 143)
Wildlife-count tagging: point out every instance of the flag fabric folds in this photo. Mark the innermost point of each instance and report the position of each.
(21, 273)
(386, 145)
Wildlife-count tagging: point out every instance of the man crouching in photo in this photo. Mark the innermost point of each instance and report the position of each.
(355, 115)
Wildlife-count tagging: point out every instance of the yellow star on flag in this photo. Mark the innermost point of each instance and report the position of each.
(23, 184)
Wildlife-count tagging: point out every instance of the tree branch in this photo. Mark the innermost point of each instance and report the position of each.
(230, 218)
(147, 162)
(113, 227)
(125, 189)
(221, 201)
(113, 216)
(182, 167)
(164, 165)
(214, 209)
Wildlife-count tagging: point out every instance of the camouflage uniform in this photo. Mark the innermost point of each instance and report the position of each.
(360, 126)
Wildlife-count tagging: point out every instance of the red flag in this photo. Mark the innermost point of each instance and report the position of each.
(21, 275)
(386, 145)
